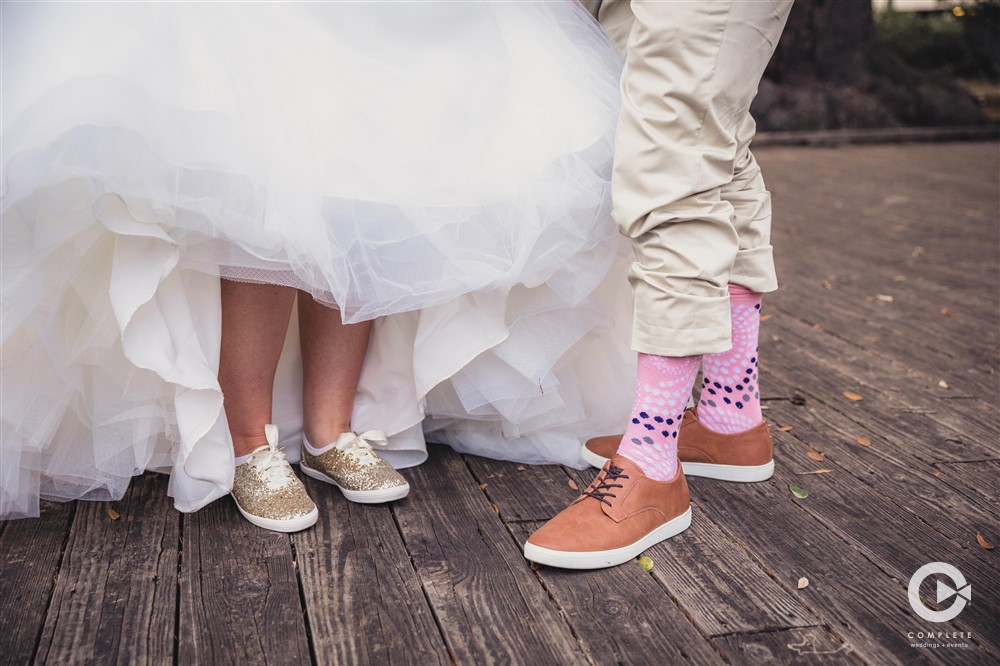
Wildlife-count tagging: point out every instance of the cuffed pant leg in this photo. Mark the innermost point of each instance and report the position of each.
(751, 202)
(691, 71)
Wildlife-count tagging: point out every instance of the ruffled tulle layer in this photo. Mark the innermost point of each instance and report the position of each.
(458, 192)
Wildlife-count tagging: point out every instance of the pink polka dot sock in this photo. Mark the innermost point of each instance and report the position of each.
(730, 392)
(661, 395)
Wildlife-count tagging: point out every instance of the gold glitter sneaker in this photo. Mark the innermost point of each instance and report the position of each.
(268, 493)
(352, 465)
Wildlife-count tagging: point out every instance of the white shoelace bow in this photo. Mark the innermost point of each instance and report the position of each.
(271, 462)
(360, 446)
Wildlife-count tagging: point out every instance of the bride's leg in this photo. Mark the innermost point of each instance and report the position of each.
(333, 354)
(254, 324)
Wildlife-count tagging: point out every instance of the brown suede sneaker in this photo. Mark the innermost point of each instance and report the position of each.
(744, 457)
(620, 515)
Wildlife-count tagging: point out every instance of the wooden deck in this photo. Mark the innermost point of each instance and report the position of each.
(890, 262)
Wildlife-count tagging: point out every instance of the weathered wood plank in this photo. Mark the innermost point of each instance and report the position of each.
(622, 614)
(531, 493)
(487, 599)
(718, 583)
(364, 600)
(114, 601)
(647, 626)
(978, 480)
(908, 417)
(859, 601)
(939, 277)
(807, 645)
(911, 484)
(239, 595)
(31, 551)
(880, 334)
(932, 521)
(901, 541)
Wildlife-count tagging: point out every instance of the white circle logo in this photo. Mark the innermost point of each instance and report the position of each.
(960, 589)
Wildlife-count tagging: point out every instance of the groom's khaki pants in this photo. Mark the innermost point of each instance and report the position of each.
(686, 188)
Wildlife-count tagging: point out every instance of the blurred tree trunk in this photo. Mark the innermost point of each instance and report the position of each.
(831, 71)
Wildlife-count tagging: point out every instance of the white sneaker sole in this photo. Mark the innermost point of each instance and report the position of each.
(735, 473)
(361, 496)
(601, 559)
(290, 525)
(592, 458)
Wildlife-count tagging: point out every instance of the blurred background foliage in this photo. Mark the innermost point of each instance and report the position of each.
(960, 40)
(846, 64)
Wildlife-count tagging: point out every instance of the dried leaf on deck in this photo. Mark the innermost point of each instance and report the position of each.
(784, 428)
(765, 317)
(943, 384)
(496, 509)
(483, 486)
(112, 514)
(817, 471)
(520, 468)
(983, 543)
(863, 441)
(815, 455)
(798, 492)
(646, 563)
(851, 395)
(572, 484)
(945, 312)
(936, 473)
(803, 583)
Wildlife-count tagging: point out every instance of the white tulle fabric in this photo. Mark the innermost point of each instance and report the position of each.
(443, 167)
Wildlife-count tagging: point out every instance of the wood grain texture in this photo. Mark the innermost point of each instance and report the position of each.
(531, 493)
(805, 645)
(30, 554)
(900, 541)
(114, 599)
(364, 599)
(239, 594)
(910, 419)
(852, 595)
(623, 615)
(620, 615)
(925, 236)
(488, 602)
(717, 582)
(978, 480)
(909, 397)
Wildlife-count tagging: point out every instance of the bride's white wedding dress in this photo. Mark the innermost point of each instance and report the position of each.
(443, 167)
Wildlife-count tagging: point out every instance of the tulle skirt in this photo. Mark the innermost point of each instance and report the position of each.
(442, 168)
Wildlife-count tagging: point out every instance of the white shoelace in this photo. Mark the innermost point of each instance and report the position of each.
(271, 462)
(360, 446)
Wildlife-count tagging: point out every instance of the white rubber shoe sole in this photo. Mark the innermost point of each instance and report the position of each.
(291, 525)
(361, 496)
(592, 458)
(600, 559)
(735, 473)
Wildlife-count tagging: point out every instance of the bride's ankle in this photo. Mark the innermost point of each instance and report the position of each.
(322, 434)
(246, 444)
